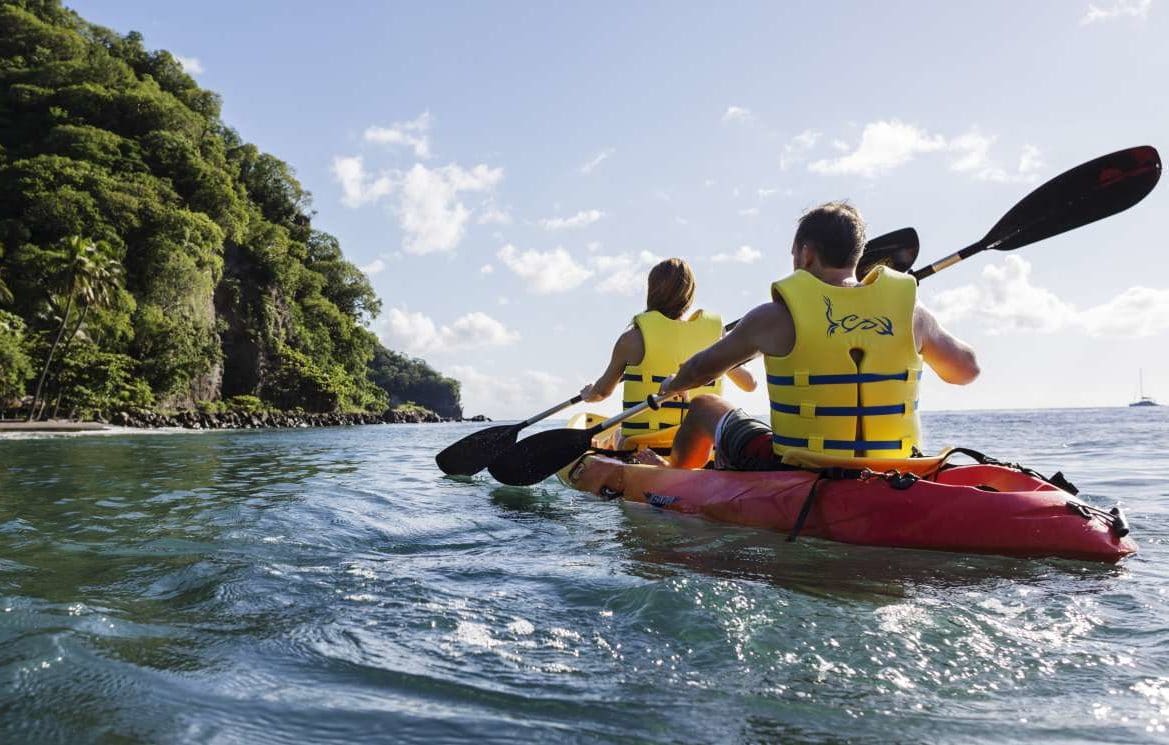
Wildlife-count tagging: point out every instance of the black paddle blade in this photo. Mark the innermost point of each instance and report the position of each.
(1089, 192)
(474, 452)
(535, 458)
(897, 250)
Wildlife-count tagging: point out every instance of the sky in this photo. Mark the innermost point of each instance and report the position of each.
(505, 173)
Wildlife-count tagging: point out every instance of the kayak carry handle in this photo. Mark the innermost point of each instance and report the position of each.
(1119, 522)
(1113, 518)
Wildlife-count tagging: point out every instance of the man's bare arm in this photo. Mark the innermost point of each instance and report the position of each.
(952, 359)
(738, 346)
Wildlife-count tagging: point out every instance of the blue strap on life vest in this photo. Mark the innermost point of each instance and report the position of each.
(842, 410)
(802, 442)
(843, 379)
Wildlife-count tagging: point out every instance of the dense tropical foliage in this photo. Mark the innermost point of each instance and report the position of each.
(150, 256)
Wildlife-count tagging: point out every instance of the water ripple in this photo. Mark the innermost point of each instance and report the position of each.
(330, 586)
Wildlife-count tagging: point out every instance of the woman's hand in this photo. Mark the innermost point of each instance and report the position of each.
(589, 394)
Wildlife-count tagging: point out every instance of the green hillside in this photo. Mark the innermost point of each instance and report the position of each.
(154, 258)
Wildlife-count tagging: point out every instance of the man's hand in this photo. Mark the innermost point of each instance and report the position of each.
(667, 389)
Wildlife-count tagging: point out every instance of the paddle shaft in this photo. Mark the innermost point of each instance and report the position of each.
(549, 412)
(650, 402)
(948, 261)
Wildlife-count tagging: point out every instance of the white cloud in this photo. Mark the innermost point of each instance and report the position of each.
(491, 215)
(623, 274)
(547, 272)
(737, 114)
(742, 255)
(1138, 311)
(429, 210)
(1119, 8)
(487, 269)
(412, 134)
(358, 187)
(1030, 161)
(750, 212)
(1005, 301)
(579, 220)
(883, 146)
(373, 267)
(765, 193)
(972, 151)
(191, 65)
(597, 160)
(417, 333)
(797, 148)
(886, 145)
(432, 217)
(507, 396)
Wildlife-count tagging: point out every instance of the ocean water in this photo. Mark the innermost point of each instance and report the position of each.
(330, 585)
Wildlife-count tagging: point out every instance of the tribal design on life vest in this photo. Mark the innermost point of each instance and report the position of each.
(881, 324)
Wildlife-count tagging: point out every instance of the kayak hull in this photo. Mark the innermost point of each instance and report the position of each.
(984, 509)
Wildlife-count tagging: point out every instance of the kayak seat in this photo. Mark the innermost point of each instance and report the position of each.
(922, 467)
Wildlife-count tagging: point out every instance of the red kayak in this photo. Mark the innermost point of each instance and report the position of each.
(984, 508)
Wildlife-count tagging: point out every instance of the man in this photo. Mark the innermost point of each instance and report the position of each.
(843, 359)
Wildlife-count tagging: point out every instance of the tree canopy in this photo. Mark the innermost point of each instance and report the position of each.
(225, 287)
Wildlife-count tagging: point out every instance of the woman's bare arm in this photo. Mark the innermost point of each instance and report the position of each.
(628, 350)
(742, 378)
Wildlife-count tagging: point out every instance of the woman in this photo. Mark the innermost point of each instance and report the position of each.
(653, 348)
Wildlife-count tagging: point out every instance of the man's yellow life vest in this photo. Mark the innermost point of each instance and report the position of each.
(849, 385)
(668, 343)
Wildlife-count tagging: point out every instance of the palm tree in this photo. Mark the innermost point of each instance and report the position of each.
(100, 290)
(91, 276)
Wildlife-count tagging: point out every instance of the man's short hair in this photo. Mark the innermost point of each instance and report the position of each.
(835, 231)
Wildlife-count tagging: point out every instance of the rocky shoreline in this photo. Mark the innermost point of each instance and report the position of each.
(191, 419)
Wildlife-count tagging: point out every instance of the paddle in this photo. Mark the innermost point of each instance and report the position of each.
(1086, 193)
(471, 454)
(545, 453)
(897, 250)
(1089, 192)
(474, 452)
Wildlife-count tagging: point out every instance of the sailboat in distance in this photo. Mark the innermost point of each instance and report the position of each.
(1142, 399)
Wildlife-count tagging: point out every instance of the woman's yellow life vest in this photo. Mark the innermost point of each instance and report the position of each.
(849, 385)
(668, 343)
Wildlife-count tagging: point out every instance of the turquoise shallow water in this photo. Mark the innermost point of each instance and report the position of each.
(329, 585)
